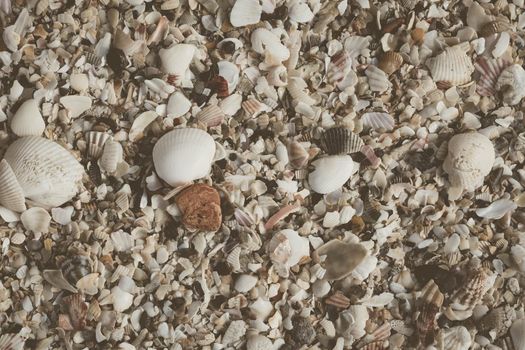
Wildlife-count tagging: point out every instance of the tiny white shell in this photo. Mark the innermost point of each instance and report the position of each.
(122, 300)
(11, 194)
(330, 173)
(231, 104)
(76, 104)
(122, 241)
(176, 59)
(183, 155)
(245, 12)
(36, 220)
(27, 120)
(497, 209)
(245, 283)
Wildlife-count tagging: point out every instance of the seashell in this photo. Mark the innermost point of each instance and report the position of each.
(298, 89)
(300, 12)
(455, 338)
(244, 283)
(211, 116)
(230, 72)
(512, 84)
(36, 220)
(497, 320)
(56, 279)
(452, 66)
(11, 194)
(95, 143)
(79, 82)
(490, 70)
(183, 155)
(468, 296)
(231, 104)
(234, 259)
(470, 158)
(497, 209)
(140, 124)
(494, 27)
(245, 12)
(200, 205)
(351, 323)
(297, 155)
(431, 301)
(27, 121)
(94, 311)
(88, 284)
(178, 105)
(76, 267)
(11, 341)
(377, 345)
(77, 310)
(330, 173)
(341, 258)
(76, 105)
(176, 59)
(47, 173)
(122, 241)
(267, 43)
(341, 141)
(390, 62)
(122, 300)
(339, 300)
(278, 76)
(340, 65)
(259, 342)
(517, 333)
(234, 332)
(253, 107)
(111, 156)
(377, 79)
(286, 249)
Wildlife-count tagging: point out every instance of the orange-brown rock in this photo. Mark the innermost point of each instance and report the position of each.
(200, 205)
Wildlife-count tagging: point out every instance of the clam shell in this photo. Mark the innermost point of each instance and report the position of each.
(11, 342)
(455, 338)
(330, 173)
(27, 120)
(76, 104)
(300, 12)
(111, 156)
(490, 70)
(178, 105)
(176, 59)
(11, 194)
(77, 310)
(95, 143)
(297, 155)
(47, 173)
(36, 220)
(245, 12)
(377, 79)
(231, 104)
(341, 258)
(122, 241)
(512, 84)
(378, 121)
(452, 66)
(183, 155)
(390, 62)
(211, 116)
(341, 141)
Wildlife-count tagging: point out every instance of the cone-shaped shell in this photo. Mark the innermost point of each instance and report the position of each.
(330, 173)
(11, 194)
(341, 258)
(453, 66)
(183, 155)
(47, 173)
(27, 120)
(341, 141)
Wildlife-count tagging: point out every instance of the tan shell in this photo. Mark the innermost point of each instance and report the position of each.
(390, 62)
(341, 258)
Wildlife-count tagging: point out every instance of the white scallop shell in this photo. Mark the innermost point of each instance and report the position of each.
(245, 12)
(377, 79)
(183, 155)
(48, 174)
(456, 338)
(111, 156)
(11, 342)
(512, 83)
(95, 143)
(452, 65)
(357, 45)
(178, 105)
(330, 173)
(122, 241)
(378, 121)
(230, 72)
(176, 59)
(11, 194)
(76, 104)
(27, 120)
(231, 104)
(36, 220)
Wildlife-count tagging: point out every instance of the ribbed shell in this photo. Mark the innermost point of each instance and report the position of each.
(11, 342)
(76, 267)
(95, 143)
(377, 79)
(111, 156)
(27, 120)
(211, 116)
(456, 338)
(390, 62)
(341, 141)
(452, 66)
(378, 121)
(11, 194)
(47, 173)
(183, 155)
(490, 70)
(340, 65)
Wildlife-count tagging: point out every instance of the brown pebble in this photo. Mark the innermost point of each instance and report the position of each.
(200, 205)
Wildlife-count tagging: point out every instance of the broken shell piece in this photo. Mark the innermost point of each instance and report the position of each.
(377, 79)
(497, 210)
(455, 338)
(259, 342)
(286, 249)
(11, 194)
(27, 120)
(76, 105)
(140, 124)
(95, 143)
(300, 12)
(341, 258)
(183, 155)
(470, 158)
(340, 66)
(211, 116)
(122, 300)
(200, 205)
(176, 59)
(56, 279)
(453, 66)
(244, 283)
(245, 12)
(79, 82)
(297, 155)
(330, 173)
(517, 333)
(431, 300)
(36, 220)
(341, 141)
(490, 70)
(111, 156)
(512, 84)
(230, 73)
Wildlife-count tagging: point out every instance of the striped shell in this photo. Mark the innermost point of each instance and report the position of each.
(76, 267)
(455, 338)
(253, 107)
(11, 342)
(378, 121)
(377, 79)
(341, 141)
(390, 62)
(452, 66)
(431, 300)
(11, 194)
(297, 155)
(340, 65)
(490, 70)
(95, 143)
(211, 116)
(467, 297)
(495, 27)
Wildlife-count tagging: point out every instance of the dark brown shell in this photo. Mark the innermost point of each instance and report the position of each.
(390, 62)
(76, 267)
(431, 300)
(341, 141)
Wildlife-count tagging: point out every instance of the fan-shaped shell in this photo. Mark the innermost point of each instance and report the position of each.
(111, 156)
(95, 143)
(452, 66)
(378, 121)
(176, 59)
(11, 342)
(330, 173)
(76, 104)
(178, 105)
(512, 83)
(211, 116)
(36, 219)
(47, 173)
(390, 62)
(183, 155)
(341, 141)
(377, 79)
(456, 338)
(11, 194)
(490, 70)
(27, 120)
(297, 155)
(341, 258)
(245, 12)
(340, 65)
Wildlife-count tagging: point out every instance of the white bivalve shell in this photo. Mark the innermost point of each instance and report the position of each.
(330, 173)
(455, 338)
(27, 120)
(183, 155)
(512, 83)
(176, 59)
(470, 158)
(453, 66)
(48, 174)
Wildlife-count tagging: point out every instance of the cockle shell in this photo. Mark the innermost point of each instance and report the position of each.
(183, 155)
(455, 338)
(286, 249)
(340, 65)
(178, 105)
(378, 121)
(176, 59)
(11, 194)
(245, 12)
(211, 116)
(452, 66)
(27, 120)
(490, 70)
(47, 173)
(341, 141)
(390, 62)
(512, 84)
(330, 173)
(377, 79)
(11, 342)
(468, 296)
(341, 258)
(470, 158)
(36, 220)
(95, 143)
